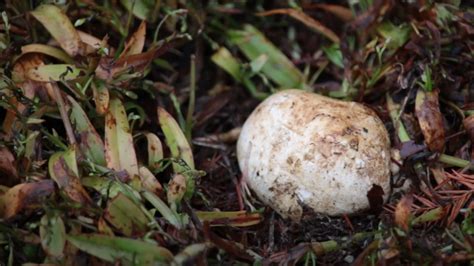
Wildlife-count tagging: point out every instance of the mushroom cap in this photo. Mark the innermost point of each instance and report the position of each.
(302, 149)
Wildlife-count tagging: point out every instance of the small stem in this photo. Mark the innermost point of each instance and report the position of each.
(192, 100)
(393, 109)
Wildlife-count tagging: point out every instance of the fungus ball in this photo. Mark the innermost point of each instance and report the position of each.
(299, 149)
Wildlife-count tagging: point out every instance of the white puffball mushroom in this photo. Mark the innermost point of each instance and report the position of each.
(302, 149)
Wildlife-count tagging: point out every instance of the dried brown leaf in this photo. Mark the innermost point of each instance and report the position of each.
(136, 42)
(403, 212)
(430, 119)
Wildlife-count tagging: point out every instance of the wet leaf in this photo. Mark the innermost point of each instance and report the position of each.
(230, 218)
(403, 213)
(128, 251)
(176, 141)
(63, 169)
(155, 151)
(149, 181)
(305, 19)
(24, 196)
(48, 73)
(278, 67)
(8, 167)
(136, 42)
(53, 234)
(47, 50)
(60, 27)
(430, 119)
(90, 143)
(125, 215)
(119, 151)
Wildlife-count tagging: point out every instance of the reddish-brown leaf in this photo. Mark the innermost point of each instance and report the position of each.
(8, 167)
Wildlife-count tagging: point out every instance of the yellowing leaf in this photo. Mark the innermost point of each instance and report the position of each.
(177, 143)
(149, 181)
(60, 27)
(126, 216)
(155, 151)
(119, 151)
(57, 72)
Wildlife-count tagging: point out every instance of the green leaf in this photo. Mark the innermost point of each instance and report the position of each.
(170, 215)
(224, 59)
(125, 215)
(128, 251)
(90, 143)
(278, 67)
(334, 54)
(48, 73)
(60, 27)
(395, 36)
(119, 151)
(53, 234)
(142, 9)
